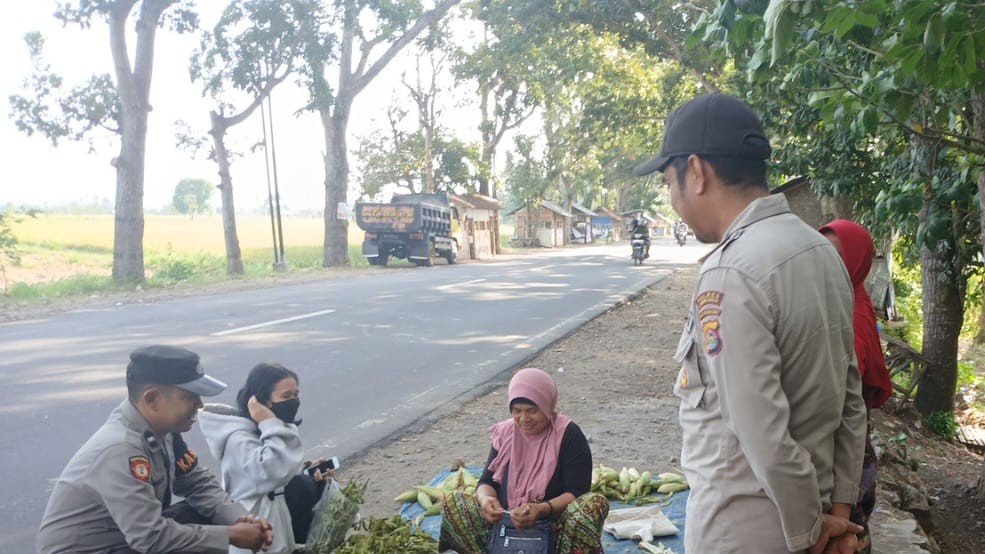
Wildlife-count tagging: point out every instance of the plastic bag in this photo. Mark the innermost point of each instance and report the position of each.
(639, 523)
(334, 516)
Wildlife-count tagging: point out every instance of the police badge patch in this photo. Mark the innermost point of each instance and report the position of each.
(709, 304)
(140, 468)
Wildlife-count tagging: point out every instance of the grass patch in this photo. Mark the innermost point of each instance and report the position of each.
(170, 268)
(72, 286)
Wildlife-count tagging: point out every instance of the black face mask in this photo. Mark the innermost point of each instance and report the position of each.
(287, 410)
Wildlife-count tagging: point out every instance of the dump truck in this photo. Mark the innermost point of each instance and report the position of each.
(415, 227)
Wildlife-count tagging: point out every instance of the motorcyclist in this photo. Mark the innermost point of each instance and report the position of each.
(639, 225)
(680, 232)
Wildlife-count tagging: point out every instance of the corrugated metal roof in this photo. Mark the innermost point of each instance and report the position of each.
(579, 208)
(476, 201)
(555, 208)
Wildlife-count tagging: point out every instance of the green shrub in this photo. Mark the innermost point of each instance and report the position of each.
(175, 268)
(942, 424)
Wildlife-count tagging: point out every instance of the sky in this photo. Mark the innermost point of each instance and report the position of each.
(38, 174)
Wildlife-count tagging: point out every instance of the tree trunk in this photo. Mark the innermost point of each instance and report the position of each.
(978, 131)
(133, 86)
(568, 201)
(128, 230)
(429, 181)
(486, 132)
(943, 313)
(234, 258)
(943, 308)
(981, 484)
(336, 246)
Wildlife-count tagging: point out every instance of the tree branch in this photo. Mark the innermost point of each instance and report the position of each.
(118, 47)
(672, 44)
(143, 66)
(264, 92)
(922, 131)
(360, 81)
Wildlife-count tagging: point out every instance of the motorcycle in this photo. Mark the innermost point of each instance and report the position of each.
(680, 233)
(638, 241)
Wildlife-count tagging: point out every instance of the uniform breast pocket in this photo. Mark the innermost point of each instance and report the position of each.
(689, 386)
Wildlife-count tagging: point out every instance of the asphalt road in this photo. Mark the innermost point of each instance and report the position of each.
(375, 352)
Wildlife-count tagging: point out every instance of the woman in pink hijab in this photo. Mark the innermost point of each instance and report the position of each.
(539, 469)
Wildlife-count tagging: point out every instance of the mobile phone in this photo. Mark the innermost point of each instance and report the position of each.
(331, 463)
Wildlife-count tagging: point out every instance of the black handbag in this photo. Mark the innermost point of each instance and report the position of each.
(504, 538)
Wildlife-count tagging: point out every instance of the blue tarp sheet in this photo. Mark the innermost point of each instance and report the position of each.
(675, 511)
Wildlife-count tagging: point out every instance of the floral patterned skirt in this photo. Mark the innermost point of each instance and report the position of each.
(578, 529)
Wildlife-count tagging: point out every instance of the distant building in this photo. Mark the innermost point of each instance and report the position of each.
(813, 208)
(540, 225)
(608, 225)
(479, 233)
(581, 224)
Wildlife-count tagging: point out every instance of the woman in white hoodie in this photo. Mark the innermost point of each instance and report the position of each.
(260, 453)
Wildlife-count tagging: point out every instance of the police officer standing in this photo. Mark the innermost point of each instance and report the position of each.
(771, 405)
(115, 494)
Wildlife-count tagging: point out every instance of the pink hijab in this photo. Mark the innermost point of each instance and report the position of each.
(531, 460)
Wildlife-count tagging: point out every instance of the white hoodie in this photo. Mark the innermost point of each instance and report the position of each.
(255, 460)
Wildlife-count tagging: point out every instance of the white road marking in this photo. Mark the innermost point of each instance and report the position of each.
(453, 285)
(270, 323)
(370, 423)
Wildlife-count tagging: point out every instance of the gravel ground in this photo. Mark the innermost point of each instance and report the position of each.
(615, 377)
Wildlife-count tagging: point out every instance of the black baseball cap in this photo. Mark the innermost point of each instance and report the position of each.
(170, 365)
(712, 124)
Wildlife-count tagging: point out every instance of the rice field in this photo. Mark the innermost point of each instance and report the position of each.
(56, 248)
(177, 233)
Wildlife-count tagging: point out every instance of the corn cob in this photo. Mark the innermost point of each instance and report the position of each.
(409, 495)
(434, 493)
(672, 488)
(424, 500)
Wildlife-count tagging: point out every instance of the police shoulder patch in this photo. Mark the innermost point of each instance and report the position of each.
(140, 468)
(709, 306)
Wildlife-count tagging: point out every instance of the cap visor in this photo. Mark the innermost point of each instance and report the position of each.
(656, 164)
(203, 386)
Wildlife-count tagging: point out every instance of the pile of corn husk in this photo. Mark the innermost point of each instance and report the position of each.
(393, 534)
(632, 487)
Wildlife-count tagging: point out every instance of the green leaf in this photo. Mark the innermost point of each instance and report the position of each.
(819, 95)
(909, 64)
(933, 34)
(869, 120)
(970, 59)
(902, 105)
(782, 36)
(866, 20)
(847, 24)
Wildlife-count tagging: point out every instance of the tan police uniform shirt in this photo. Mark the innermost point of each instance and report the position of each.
(771, 405)
(110, 496)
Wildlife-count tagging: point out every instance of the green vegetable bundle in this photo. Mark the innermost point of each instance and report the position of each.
(389, 535)
(335, 515)
(633, 487)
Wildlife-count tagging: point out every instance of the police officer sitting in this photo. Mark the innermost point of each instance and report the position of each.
(115, 494)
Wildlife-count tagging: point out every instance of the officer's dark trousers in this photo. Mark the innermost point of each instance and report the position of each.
(301, 494)
(181, 512)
